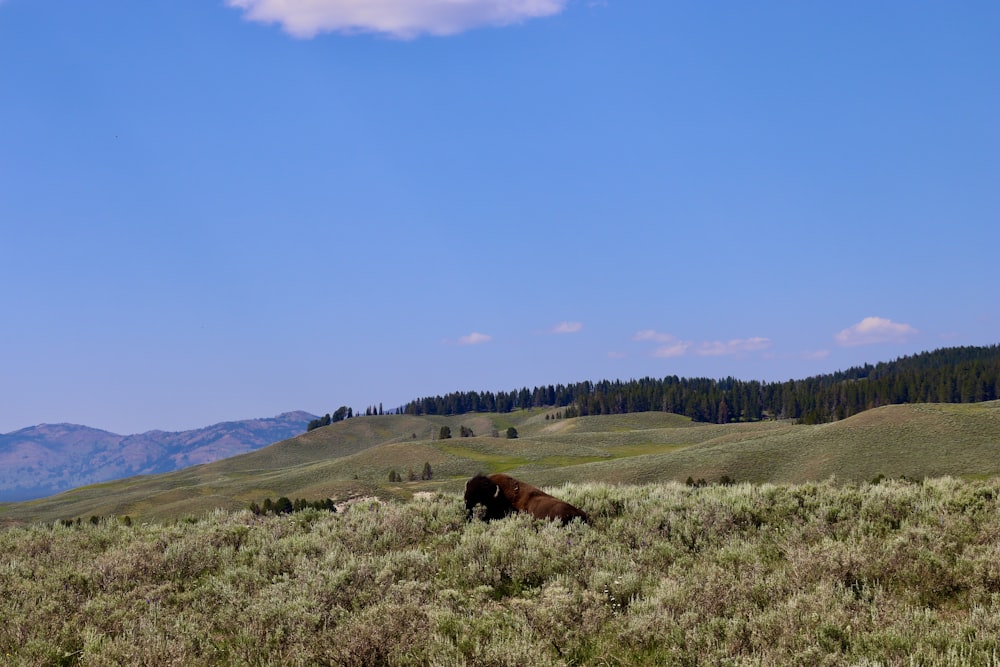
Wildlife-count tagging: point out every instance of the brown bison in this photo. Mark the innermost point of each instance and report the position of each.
(481, 490)
(502, 495)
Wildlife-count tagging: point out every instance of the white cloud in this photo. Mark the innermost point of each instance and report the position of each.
(872, 330)
(654, 336)
(403, 19)
(567, 327)
(678, 349)
(671, 346)
(736, 346)
(475, 338)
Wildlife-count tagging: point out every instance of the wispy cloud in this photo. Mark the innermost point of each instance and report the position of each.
(566, 328)
(678, 349)
(475, 338)
(403, 19)
(736, 346)
(872, 330)
(654, 336)
(671, 346)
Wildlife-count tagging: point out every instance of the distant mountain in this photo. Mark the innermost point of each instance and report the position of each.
(43, 460)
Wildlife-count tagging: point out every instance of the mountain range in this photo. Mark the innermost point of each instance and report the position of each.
(47, 459)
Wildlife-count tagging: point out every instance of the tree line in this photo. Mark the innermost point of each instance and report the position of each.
(948, 375)
(285, 505)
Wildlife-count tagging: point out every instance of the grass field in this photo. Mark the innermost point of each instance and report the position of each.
(803, 562)
(354, 457)
(894, 574)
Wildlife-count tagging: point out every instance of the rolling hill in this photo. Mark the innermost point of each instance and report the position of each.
(51, 458)
(354, 457)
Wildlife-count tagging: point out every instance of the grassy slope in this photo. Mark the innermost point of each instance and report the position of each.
(354, 457)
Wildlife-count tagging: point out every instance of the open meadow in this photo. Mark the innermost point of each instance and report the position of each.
(355, 458)
(896, 573)
(874, 540)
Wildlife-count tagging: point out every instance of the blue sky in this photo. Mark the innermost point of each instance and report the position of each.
(225, 209)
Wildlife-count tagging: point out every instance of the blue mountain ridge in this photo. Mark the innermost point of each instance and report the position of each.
(43, 460)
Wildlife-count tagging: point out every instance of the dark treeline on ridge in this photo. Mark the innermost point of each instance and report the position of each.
(949, 375)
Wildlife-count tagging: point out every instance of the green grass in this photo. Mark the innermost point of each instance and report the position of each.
(801, 574)
(354, 457)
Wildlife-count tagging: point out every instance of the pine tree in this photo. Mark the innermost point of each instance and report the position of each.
(723, 412)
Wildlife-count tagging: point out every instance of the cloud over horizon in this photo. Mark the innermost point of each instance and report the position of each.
(403, 19)
(678, 349)
(737, 345)
(567, 327)
(475, 338)
(655, 336)
(671, 346)
(874, 330)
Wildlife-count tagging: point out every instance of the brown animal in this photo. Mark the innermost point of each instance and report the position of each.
(502, 494)
(483, 491)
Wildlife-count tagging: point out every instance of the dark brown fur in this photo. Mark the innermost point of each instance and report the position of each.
(523, 497)
(481, 490)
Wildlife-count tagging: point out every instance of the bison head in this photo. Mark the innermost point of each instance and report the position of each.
(481, 490)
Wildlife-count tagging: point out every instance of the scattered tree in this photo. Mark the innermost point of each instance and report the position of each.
(298, 505)
(445, 433)
(325, 420)
(511, 433)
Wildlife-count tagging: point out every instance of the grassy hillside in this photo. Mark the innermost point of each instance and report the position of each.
(354, 457)
(810, 574)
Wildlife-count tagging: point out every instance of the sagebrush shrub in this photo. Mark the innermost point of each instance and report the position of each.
(889, 574)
